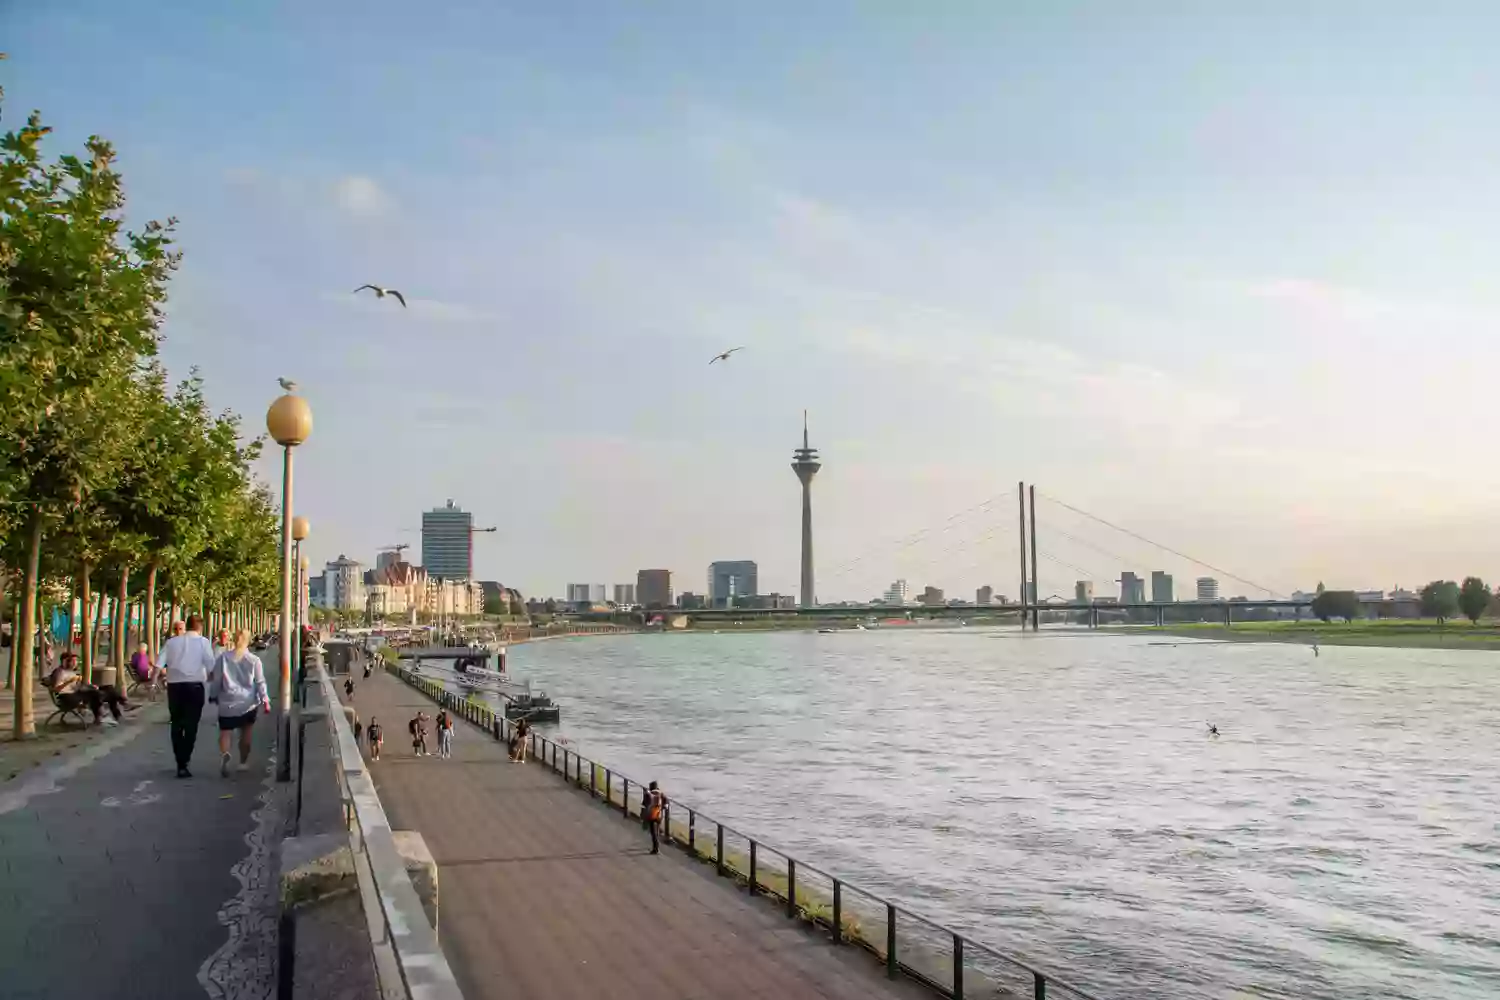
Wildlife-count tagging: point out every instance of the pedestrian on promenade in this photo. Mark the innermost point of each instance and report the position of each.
(418, 727)
(187, 659)
(358, 729)
(239, 689)
(518, 743)
(349, 688)
(376, 738)
(71, 690)
(445, 734)
(142, 663)
(653, 805)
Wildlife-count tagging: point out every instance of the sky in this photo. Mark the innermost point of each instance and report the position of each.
(1221, 274)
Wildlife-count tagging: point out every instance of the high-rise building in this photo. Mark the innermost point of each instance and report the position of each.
(984, 595)
(386, 558)
(931, 596)
(1083, 591)
(1161, 587)
(448, 542)
(653, 587)
(1208, 588)
(731, 579)
(624, 593)
(344, 585)
(806, 465)
(898, 593)
(585, 593)
(1132, 588)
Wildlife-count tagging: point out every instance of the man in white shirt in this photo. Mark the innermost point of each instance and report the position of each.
(187, 659)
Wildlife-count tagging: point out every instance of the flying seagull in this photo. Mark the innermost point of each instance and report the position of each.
(381, 293)
(726, 354)
(287, 384)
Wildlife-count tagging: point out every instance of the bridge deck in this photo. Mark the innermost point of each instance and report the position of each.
(545, 893)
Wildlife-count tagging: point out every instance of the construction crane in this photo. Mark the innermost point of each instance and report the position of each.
(398, 548)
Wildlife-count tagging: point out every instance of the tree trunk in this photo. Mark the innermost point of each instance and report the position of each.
(148, 618)
(98, 620)
(122, 630)
(25, 725)
(86, 606)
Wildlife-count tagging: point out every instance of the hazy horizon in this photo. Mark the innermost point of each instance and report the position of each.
(1223, 278)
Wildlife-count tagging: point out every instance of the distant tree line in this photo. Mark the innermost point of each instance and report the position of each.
(1440, 599)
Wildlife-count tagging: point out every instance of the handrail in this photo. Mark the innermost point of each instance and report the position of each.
(573, 763)
(410, 935)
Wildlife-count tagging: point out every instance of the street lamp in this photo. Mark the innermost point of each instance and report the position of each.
(289, 420)
(300, 530)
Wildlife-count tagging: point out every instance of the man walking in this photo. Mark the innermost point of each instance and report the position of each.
(187, 659)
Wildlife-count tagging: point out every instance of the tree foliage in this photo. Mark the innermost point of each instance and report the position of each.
(102, 465)
(1473, 598)
(1440, 600)
(1331, 604)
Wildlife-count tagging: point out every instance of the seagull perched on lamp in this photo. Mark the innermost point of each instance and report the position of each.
(381, 293)
(287, 384)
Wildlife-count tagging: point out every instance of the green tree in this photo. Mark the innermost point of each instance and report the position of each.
(1440, 600)
(80, 304)
(1331, 604)
(1473, 598)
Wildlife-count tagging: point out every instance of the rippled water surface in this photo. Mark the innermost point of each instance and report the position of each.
(1058, 795)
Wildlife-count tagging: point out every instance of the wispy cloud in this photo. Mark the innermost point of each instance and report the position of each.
(361, 196)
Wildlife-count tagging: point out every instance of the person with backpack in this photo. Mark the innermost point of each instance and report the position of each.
(653, 807)
(376, 738)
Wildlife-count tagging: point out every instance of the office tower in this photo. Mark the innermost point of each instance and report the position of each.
(653, 587)
(898, 593)
(1132, 588)
(448, 542)
(1208, 588)
(984, 595)
(731, 579)
(624, 593)
(1083, 591)
(1161, 587)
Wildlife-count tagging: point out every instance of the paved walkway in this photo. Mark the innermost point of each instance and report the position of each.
(546, 893)
(119, 880)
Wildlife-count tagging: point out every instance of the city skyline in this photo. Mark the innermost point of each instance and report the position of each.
(1181, 295)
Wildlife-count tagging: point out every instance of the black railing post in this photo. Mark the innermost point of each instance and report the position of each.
(958, 968)
(719, 857)
(891, 963)
(1039, 986)
(791, 887)
(752, 867)
(693, 831)
(838, 912)
(625, 800)
(609, 787)
(593, 781)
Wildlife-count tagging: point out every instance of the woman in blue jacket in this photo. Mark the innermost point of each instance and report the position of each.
(238, 686)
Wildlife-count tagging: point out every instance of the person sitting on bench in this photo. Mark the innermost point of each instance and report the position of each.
(71, 691)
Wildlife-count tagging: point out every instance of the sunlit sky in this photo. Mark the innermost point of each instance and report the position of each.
(1224, 274)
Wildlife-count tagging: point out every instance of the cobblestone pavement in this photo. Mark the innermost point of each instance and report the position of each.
(117, 879)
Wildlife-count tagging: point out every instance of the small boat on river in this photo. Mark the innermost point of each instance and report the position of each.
(532, 707)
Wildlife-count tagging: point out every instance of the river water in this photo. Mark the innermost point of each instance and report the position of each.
(1058, 795)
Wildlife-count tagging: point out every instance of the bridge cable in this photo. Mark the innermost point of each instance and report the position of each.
(1166, 548)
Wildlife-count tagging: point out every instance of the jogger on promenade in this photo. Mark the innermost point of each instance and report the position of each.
(187, 659)
(239, 688)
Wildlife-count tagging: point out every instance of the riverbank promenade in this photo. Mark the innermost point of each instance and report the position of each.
(546, 892)
(117, 879)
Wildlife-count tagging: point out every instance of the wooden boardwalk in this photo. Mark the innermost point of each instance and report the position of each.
(547, 893)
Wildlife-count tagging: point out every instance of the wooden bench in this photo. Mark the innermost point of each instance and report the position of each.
(64, 705)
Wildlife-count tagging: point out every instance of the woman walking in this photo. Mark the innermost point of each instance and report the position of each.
(445, 735)
(239, 687)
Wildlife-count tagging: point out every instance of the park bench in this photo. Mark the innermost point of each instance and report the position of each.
(64, 705)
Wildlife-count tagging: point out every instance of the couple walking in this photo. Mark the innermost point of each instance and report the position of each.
(232, 678)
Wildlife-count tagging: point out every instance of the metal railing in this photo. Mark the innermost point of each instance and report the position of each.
(401, 934)
(906, 942)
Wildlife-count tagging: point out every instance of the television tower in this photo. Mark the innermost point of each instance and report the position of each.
(806, 465)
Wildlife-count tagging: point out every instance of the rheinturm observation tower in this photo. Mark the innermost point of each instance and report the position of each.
(806, 465)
